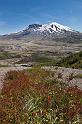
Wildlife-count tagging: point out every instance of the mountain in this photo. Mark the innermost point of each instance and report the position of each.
(51, 31)
(51, 28)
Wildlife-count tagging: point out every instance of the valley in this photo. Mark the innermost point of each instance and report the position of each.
(12, 51)
(17, 55)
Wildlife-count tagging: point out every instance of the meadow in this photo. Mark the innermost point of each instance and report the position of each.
(36, 96)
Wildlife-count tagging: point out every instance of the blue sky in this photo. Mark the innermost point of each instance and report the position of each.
(15, 15)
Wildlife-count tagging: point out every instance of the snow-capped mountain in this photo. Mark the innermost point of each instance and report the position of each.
(50, 31)
(52, 27)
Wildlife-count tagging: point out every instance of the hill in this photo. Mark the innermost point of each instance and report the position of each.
(74, 61)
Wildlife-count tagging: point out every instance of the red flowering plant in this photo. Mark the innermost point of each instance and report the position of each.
(36, 96)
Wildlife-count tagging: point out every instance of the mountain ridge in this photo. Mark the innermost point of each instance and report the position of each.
(50, 31)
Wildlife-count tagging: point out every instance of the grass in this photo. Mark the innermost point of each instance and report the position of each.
(8, 55)
(73, 61)
(39, 59)
(78, 76)
(35, 96)
(3, 65)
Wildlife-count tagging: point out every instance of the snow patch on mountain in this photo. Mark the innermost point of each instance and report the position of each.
(53, 27)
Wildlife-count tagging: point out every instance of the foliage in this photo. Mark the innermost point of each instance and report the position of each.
(37, 58)
(78, 76)
(35, 96)
(74, 61)
(8, 55)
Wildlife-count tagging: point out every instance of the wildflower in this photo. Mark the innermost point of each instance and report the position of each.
(49, 99)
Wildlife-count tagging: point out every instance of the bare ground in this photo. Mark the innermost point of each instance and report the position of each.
(65, 73)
